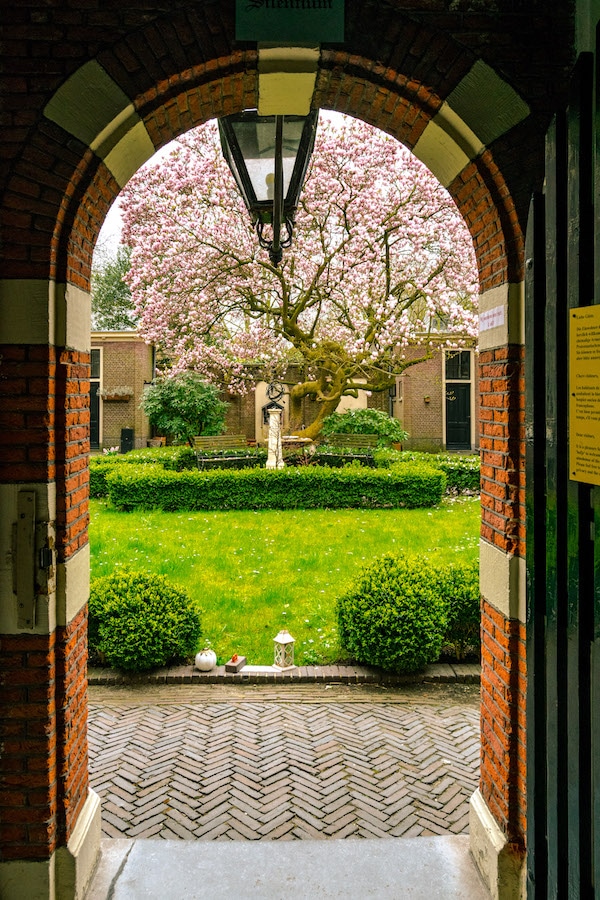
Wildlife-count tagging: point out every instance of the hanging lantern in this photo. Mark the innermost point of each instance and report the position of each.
(284, 650)
(268, 157)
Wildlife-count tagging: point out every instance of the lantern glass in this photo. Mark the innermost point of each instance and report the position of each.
(256, 140)
(284, 650)
(248, 145)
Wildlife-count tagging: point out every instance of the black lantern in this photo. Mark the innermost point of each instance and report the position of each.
(269, 156)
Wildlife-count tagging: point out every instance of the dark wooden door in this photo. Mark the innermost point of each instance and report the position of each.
(563, 519)
(94, 415)
(458, 416)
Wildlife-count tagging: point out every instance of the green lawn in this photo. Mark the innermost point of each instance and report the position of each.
(252, 573)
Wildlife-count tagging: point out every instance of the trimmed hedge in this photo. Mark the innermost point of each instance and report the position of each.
(310, 487)
(175, 459)
(462, 471)
(139, 621)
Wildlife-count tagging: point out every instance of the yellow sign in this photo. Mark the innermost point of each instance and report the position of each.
(584, 394)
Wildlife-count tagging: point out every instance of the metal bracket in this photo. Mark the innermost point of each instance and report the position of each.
(25, 559)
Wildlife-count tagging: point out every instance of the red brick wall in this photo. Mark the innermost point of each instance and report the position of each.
(503, 737)
(44, 437)
(422, 420)
(240, 417)
(43, 733)
(28, 789)
(504, 674)
(27, 413)
(44, 430)
(72, 450)
(503, 449)
(71, 708)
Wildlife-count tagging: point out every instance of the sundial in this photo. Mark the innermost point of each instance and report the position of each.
(275, 390)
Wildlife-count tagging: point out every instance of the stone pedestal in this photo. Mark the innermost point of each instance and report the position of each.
(275, 454)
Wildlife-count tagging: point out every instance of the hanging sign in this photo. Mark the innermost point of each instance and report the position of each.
(291, 21)
(584, 394)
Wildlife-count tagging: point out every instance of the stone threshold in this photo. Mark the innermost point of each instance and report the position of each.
(438, 673)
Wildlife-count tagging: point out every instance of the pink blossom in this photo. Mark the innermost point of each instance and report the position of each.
(380, 257)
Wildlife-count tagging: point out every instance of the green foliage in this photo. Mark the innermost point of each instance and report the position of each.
(343, 456)
(462, 471)
(175, 458)
(152, 487)
(365, 421)
(140, 621)
(394, 616)
(172, 458)
(459, 586)
(184, 406)
(233, 459)
(112, 306)
(256, 571)
(100, 466)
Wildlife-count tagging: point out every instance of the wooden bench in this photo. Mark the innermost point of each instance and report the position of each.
(205, 445)
(352, 441)
(360, 446)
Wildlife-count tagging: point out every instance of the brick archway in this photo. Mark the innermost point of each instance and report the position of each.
(94, 124)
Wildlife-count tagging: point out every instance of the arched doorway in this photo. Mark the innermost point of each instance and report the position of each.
(91, 126)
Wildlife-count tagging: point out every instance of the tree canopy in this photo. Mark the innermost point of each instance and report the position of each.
(184, 406)
(380, 258)
(112, 306)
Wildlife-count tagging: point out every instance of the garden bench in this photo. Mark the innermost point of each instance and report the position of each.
(361, 447)
(352, 441)
(204, 445)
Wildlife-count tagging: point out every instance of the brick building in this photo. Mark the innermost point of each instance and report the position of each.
(121, 363)
(499, 100)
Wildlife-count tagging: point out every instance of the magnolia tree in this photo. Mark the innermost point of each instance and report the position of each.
(380, 258)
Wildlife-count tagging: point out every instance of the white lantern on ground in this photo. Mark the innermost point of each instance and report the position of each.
(284, 650)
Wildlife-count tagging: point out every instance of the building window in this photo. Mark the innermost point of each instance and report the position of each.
(458, 365)
(95, 365)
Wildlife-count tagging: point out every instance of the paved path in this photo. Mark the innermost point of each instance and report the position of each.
(249, 762)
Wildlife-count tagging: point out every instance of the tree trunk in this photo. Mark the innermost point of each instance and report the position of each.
(295, 412)
(325, 409)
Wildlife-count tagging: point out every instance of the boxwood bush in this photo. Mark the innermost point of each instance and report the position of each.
(139, 621)
(310, 487)
(393, 616)
(459, 585)
(403, 612)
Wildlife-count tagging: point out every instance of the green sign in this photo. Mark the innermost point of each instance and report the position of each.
(292, 21)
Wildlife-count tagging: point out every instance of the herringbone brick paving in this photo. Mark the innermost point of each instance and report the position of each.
(262, 763)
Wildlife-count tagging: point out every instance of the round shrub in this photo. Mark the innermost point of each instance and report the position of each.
(139, 621)
(394, 616)
(364, 421)
(459, 586)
